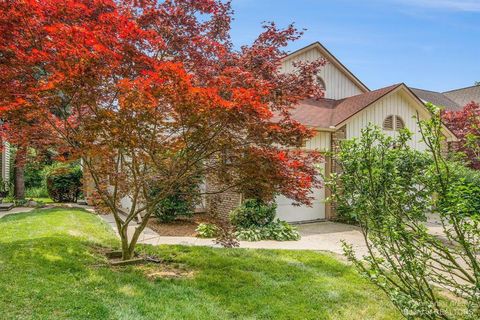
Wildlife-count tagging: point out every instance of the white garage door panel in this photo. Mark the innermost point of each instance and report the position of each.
(290, 213)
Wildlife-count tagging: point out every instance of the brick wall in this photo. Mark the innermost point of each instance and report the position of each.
(88, 187)
(218, 202)
(332, 167)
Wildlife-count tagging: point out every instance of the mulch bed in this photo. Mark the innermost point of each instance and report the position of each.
(181, 227)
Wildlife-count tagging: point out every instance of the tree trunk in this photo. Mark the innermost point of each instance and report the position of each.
(19, 187)
(126, 254)
(128, 245)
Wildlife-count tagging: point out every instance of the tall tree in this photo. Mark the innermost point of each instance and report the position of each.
(149, 92)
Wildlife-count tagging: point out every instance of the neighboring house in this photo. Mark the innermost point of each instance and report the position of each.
(453, 100)
(5, 165)
(465, 95)
(348, 107)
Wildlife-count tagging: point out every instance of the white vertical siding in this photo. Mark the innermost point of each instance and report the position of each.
(394, 104)
(6, 163)
(320, 142)
(338, 85)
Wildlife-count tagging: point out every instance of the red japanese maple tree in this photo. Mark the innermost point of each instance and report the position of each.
(148, 92)
(466, 126)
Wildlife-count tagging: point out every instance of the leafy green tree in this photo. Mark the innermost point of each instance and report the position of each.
(390, 190)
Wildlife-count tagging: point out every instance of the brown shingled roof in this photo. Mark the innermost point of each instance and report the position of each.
(437, 98)
(315, 113)
(350, 106)
(325, 113)
(465, 95)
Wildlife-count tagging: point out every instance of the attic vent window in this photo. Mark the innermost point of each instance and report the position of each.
(399, 124)
(321, 83)
(388, 123)
(393, 123)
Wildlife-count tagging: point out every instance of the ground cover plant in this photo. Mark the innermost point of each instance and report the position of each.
(52, 267)
(254, 220)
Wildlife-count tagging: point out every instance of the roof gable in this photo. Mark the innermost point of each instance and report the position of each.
(348, 107)
(328, 115)
(415, 101)
(331, 59)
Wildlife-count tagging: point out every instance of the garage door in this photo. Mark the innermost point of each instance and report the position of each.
(290, 213)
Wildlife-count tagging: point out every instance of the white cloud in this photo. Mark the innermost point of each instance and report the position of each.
(457, 5)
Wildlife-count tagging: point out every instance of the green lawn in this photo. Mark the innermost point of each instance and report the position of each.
(43, 200)
(51, 268)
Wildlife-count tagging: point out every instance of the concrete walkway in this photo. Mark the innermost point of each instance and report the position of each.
(146, 236)
(321, 236)
(14, 211)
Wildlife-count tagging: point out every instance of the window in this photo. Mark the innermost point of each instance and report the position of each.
(388, 123)
(399, 124)
(321, 83)
(393, 123)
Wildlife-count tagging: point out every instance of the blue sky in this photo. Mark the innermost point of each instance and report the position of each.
(429, 44)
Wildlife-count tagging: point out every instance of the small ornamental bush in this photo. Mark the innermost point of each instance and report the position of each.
(206, 230)
(253, 213)
(254, 221)
(254, 234)
(37, 192)
(168, 209)
(64, 183)
(181, 203)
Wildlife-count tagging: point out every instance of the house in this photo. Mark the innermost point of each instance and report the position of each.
(453, 100)
(348, 107)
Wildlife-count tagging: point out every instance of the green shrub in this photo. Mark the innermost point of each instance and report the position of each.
(64, 183)
(281, 231)
(34, 175)
(37, 192)
(391, 196)
(278, 230)
(464, 192)
(181, 203)
(169, 208)
(253, 213)
(254, 234)
(206, 230)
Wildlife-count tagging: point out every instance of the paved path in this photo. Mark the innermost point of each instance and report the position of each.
(321, 236)
(146, 235)
(14, 211)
